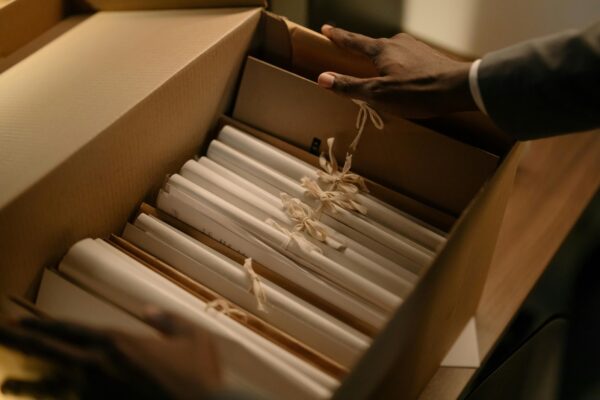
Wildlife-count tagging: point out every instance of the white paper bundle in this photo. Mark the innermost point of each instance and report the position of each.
(358, 227)
(248, 360)
(392, 278)
(227, 231)
(294, 168)
(62, 299)
(289, 244)
(285, 311)
(250, 185)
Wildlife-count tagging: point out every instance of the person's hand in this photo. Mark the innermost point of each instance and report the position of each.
(415, 80)
(106, 364)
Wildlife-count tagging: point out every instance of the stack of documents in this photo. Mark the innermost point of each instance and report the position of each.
(311, 285)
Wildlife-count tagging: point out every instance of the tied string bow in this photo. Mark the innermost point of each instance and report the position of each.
(330, 200)
(343, 185)
(225, 307)
(294, 236)
(336, 180)
(256, 286)
(306, 220)
(303, 216)
(365, 112)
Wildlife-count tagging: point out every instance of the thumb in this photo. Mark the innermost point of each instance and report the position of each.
(166, 322)
(360, 88)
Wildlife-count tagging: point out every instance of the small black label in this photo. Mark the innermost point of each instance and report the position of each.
(315, 146)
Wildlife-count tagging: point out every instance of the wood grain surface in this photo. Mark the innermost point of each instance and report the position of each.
(555, 181)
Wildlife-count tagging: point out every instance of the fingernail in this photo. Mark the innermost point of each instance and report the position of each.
(152, 312)
(326, 80)
(326, 29)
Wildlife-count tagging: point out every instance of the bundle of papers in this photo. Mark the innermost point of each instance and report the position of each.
(313, 284)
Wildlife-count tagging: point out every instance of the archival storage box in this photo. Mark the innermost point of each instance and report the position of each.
(98, 111)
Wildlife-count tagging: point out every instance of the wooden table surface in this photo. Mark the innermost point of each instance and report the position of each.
(555, 181)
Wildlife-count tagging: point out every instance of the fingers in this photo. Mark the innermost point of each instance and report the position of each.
(44, 388)
(73, 333)
(352, 41)
(32, 343)
(166, 322)
(360, 88)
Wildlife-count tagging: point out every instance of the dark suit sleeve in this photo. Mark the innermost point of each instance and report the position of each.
(546, 86)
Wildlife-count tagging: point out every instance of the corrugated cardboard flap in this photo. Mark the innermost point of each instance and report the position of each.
(90, 123)
(410, 348)
(120, 5)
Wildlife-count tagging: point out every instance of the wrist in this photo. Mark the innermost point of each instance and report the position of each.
(457, 86)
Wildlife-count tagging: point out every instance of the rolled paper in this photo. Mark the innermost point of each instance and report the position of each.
(248, 201)
(62, 299)
(295, 169)
(247, 359)
(254, 188)
(400, 250)
(312, 259)
(287, 312)
(275, 238)
(256, 287)
(231, 234)
(241, 197)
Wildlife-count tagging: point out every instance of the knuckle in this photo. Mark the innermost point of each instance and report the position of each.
(374, 86)
(378, 45)
(346, 86)
(381, 42)
(343, 86)
(403, 36)
(348, 39)
(376, 89)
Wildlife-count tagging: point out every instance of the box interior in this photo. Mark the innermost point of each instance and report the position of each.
(135, 118)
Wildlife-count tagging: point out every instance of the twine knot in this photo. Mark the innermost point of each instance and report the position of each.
(304, 217)
(336, 180)
(330, 200)
(365, 112)
(294, 236)
(256, 286)
(307, 221)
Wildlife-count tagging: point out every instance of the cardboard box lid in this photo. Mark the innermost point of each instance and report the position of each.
(22, 20)
(59, 99)
(119, 5)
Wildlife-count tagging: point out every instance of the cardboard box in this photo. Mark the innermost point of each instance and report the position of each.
(92, 122)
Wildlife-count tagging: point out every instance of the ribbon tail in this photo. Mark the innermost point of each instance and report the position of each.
(256, 286)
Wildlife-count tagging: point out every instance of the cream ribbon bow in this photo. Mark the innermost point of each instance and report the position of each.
(344, 180)
(365, 112)
(256, 286)
(331, 200)
(306, 220)
(303, 216)
(294, 236)
(225, 307)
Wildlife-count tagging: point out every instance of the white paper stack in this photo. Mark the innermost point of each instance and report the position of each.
(394, 219)
(285, 311)
(249, 361)
(334, 278)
